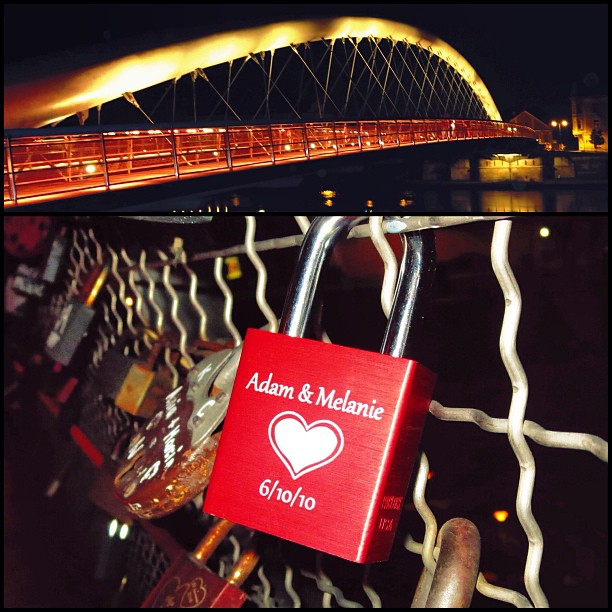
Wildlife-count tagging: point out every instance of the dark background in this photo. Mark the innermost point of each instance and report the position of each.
(528, 55)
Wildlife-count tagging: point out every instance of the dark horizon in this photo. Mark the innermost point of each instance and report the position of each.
(528, 55)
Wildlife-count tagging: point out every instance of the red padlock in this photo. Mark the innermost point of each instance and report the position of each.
(188, 583)
(319, 440)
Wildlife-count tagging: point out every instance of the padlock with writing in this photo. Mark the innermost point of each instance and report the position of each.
(169, 460)
(134, 383)
(55, 258)
(319, 440)
(28, 282)
(75, 319)
(188, 583)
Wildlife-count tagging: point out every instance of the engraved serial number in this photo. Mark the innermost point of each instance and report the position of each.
(391, 502)
(272, 492)
(386, 524)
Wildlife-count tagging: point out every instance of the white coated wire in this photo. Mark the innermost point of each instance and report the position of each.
(81, 268)
(99, 253)
(86, 250)
(303, 222)
(266, 588)
(397, 225)
(113, 307)
(229, 302)
(386, 253)
(431, 526)
(262, 275)
(371, 593)
(139, 301)
(295, 598)
(327, 587)
(174, 311)
(159, 321)
(128, 309)
(516, 415)
(193, 292)
(556, 439)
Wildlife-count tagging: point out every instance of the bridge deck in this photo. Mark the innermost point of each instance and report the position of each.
(43, 167)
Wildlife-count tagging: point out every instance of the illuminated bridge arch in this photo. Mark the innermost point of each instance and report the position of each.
(331, 69)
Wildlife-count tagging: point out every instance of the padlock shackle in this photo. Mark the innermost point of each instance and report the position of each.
(243, 568)
(211, 541)
(454, 580)
(90, 290)
(414, 281)
(318, 243)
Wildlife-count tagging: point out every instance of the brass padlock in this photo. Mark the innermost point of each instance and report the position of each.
(127, 380)
(143, 386)
(133, 383)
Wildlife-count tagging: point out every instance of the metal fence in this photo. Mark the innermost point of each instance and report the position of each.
(166, 293)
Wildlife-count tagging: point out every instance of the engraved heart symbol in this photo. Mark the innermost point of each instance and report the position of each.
(302, 447)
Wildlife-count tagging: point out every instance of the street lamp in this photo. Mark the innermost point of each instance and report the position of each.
(561, 123)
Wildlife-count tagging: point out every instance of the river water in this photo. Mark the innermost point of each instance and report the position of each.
(321, 195)
(394, 187)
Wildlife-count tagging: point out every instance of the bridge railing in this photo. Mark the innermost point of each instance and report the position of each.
(43, 166)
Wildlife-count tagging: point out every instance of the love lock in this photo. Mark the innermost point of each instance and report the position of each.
(319, 440)
(169, 460)
(188, 583)
(55, 258)
(134, 384)
(74, 321)
(454, 579)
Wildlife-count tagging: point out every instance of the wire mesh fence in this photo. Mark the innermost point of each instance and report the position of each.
(209, 281)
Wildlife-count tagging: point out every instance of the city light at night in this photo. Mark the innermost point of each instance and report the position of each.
(501, 516)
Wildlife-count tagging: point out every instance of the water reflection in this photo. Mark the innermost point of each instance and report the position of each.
(377, 198)
(389, 190)
(555, 200)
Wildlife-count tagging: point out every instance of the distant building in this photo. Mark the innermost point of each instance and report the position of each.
(543, 130)
(589, 101)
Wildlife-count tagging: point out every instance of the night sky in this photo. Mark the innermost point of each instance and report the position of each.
(528, 55)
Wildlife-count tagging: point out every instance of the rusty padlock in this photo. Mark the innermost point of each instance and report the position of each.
(169, 460)
(319, 440)
(134, 384)
(454, 579)
(75, 318)
(188, 583)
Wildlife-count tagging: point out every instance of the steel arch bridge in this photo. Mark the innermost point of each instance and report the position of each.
(283, 92)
